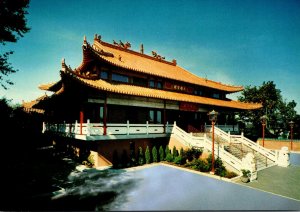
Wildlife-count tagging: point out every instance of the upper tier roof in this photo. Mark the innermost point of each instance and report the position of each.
(142, 63)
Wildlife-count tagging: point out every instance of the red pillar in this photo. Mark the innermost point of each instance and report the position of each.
(165, 118)
(104, 116)
(81, 120)
(213, 148)
(263, 134)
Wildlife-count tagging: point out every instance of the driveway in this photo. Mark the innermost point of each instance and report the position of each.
(162, 187)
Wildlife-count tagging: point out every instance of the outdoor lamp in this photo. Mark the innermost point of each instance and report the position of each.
(292, 126)
(263, 120)
(213, 118)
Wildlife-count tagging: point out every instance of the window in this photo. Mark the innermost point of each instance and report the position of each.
(159, 85)
(155, 116)
(216, 95)
(104, 75)
(139, 81)
(158, 117)
(151, 116)
(119, 78)
(151, 83)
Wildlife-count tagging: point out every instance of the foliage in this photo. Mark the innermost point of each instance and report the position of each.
(192, 154)
(169, 157)
(148, 155)
(199, 165)
(161, 153)
(141, 160)
(167, 151)
(90, 162)
(154, 154)
(278, 111)
(13, 25)
(175, 152)
(246, 173)
(179, 160)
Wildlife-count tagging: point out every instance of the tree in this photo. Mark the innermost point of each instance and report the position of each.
(278, 110)
(13, 25)
(141, 160)
(161, 153)
(148, 155)
(154, 154)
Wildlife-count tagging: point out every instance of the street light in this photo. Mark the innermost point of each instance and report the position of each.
(213, 118)
(263, 120)
(292, 126)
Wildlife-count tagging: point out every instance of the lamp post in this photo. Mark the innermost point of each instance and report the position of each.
(213, 118)
(263, 120)
(292, 126)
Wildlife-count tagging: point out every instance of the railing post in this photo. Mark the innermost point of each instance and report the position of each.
(88, 132)
(128, 127)
(167, 127)
(147, 127)
(44, 127)
(229, 136)
(75, 128)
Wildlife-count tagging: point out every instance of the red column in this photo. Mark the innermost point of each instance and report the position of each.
(165, 118)
(291, 138)
(81, 120)
(263, 134)
(104, 116)
(213, 147)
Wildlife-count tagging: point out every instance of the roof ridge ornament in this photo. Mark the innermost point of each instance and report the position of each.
(63, 64)
(155, 55)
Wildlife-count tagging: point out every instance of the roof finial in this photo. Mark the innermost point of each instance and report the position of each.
(84, 39)
(63, 64)
(142, 49)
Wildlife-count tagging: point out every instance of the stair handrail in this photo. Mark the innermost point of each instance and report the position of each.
(205, 142)
(251, 144)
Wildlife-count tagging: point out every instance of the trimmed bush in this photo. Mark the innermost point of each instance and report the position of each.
(161, 153)
(169, 157)
(167, 151)
(154, 154)
(147, 155)
(141, 160)
(175, 152)
(179, 160)
(124, 159)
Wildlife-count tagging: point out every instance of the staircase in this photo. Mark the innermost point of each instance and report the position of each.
(230, 148)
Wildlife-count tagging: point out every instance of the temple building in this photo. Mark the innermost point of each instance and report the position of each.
(119, 99)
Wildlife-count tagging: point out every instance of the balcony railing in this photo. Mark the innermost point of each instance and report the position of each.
(94, 130)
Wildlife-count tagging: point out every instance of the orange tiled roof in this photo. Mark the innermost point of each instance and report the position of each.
(143, 63)
(159, 94)
(29, 106)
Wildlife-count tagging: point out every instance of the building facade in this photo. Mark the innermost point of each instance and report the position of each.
(122, 99)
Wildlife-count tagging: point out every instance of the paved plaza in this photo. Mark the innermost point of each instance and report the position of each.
(162, 187)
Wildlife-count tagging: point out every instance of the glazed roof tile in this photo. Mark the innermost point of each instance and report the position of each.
(143, 63)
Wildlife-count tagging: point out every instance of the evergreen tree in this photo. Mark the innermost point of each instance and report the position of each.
(154, 154)
(148, 155)
(141, 160)
(161, 153)
(175, 152)
(167, 151)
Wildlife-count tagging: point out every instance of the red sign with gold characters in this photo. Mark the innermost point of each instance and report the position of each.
(187, 106)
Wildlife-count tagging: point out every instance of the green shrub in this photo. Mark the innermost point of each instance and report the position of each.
(192, 154)
(175, 152)
(147, 155)
(154, 154)
(179, 160)
(161, 153)
(167, 151)
(199, 165)
(181, 151)
(141, 160)
(169, 157)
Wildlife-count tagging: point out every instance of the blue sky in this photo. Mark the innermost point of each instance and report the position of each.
(235, 42)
